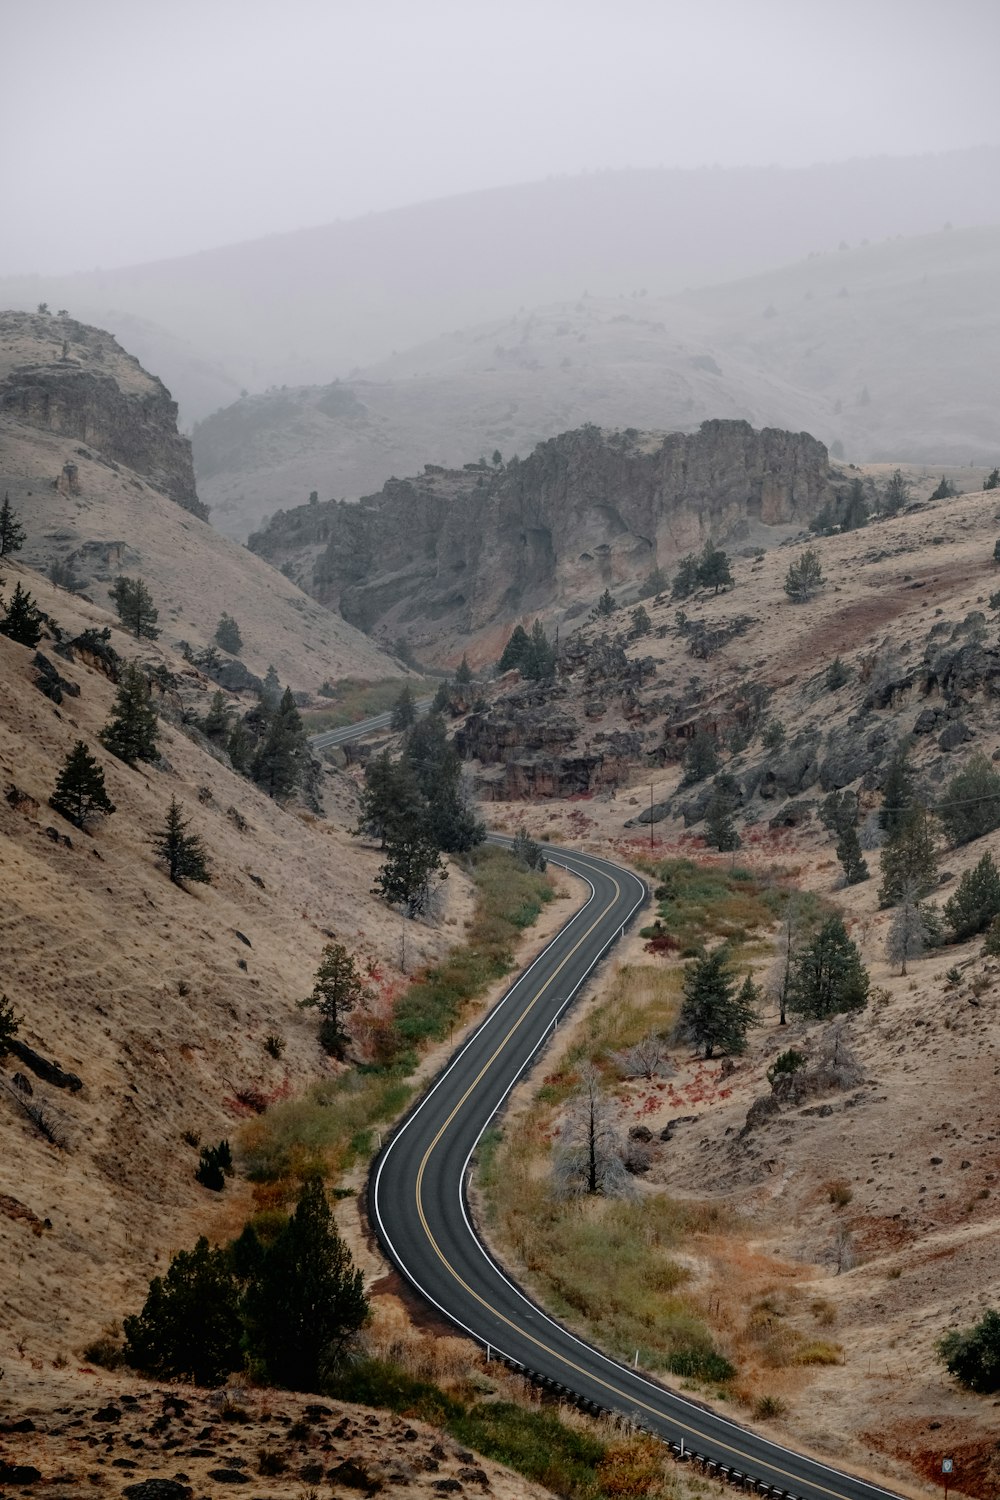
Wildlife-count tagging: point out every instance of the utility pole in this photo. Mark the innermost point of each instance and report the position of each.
(650, 815)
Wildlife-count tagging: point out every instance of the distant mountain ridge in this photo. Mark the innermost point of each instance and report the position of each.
(307, 306)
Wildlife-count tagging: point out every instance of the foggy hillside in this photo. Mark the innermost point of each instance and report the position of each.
(889, 351)
(309, 306)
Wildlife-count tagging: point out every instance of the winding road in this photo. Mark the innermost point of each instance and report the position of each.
(420, 1212)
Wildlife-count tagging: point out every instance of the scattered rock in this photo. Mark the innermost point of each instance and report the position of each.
(158, 1489)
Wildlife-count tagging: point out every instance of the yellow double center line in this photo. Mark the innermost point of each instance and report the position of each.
(624, 1397)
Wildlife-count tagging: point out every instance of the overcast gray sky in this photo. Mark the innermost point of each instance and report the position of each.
(135, 129)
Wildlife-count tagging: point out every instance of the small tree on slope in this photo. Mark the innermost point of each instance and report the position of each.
(183, 853)
(80, 792)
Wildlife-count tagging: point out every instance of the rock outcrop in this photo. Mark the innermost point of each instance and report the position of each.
(64, 377)
(465, 552)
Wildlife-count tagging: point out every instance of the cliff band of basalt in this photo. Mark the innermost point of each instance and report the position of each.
(461, 552)
(120, 409)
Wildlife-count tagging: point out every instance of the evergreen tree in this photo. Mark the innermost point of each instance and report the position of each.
(686, 578)
(279, 761)
(10, 1025)
(837, 674)
(308, 1302)
(270, 692)
(227, 635)
(540, 657)
(80, 791)
(991, 482)
(804, 577)
(970, 805)
(828, 975)
(131, 732)
(856, 507)
(713, 1016)
(134, 604)
(437, 767)
(22, 621)
(898, 793)
(976, 901)
(641, 623)
(337, 989)
(700, 759)
(390, 788)
(183, 853)
(190, 1326)
(516, 651)
(11, 530)
(714, 571)
(463, 672)
(441, 702)
(907, 935)
(720, 830)
(909, 857)
(239, 748)
(527, 851)
(404, 710)
(654, 583)
(412, 858)
(945, 490)
(896, 493)
(216, 721)
(606, 605)
(839, 813)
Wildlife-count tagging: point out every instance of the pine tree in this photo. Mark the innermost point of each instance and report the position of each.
(10, 1025)
(713, 1015)
(896, 494)
(992, 480)
(804, 577)
(227, 635)
(516, 651)
(308, 1302)
(463, 672)
(132, 730)
(390, 789)
(720, 830)
(404, 710)
(183, 853)
(686, 578)
(190, 1326)
(540, 658)
(641, 623)
(970, 805)
(700, 759)
(437, 767)
(279, 762)
(216, 721)
(714, 571)
(976, 901)
(22, 621)
(837, 674)
(898, 793)
(134, 604)
(907, 935)
(909, 857)
(412, 858)
(239, 748)
(856, 508)
(337, 989)
(606, 605)
(441, 702)
(839, 813)
(80, 792)
(828, 975)
(270, 692)
(11, 530)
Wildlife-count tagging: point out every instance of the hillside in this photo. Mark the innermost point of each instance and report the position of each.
(92, 461)
(453, 557)
(308, 306)
(888, 351)
(158, 998)
(861, 1213)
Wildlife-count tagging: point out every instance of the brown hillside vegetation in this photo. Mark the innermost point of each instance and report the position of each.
(159, 998)
(124, 506)
(859, 1220)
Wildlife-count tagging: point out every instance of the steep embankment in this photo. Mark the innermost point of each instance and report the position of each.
(455, 554)
(93, 463)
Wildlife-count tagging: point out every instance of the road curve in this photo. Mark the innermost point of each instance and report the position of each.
(419, 1210)
(347, 732)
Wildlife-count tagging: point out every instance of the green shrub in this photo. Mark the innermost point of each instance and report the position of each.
(972, 1355)
(215, 1164)
(786, 1063)
(970, 805)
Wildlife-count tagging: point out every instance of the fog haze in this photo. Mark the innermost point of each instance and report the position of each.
(144, 132)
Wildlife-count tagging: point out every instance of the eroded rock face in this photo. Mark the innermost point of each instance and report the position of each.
(79, 382)
(464, 550)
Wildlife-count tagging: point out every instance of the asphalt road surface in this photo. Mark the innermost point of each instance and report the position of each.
(419, 1209)
(358, 731)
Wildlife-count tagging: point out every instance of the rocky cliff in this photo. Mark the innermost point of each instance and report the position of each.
(64, 377)
(458, 553)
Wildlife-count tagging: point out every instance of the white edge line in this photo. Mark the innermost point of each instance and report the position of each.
(652, 1386)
